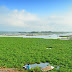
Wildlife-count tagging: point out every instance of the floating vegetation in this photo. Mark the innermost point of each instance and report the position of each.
(63, 36)
(15, 52)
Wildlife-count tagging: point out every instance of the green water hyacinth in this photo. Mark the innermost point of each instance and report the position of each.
(17, 51)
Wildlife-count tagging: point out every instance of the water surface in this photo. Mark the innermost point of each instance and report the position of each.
(52, 36)
(42, 65)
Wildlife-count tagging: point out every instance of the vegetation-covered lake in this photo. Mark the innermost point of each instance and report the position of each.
(17, 51)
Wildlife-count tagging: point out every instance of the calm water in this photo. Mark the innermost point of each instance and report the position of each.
(53, 36)
(42, 65)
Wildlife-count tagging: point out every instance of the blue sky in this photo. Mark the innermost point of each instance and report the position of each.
(38, 6)
(35, 15)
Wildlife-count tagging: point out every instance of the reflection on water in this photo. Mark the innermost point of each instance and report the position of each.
(52, 36)
(43, 36)
(42, 65)
(58, 67)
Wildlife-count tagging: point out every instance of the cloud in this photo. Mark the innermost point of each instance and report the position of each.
(15, 17)
(29, 21)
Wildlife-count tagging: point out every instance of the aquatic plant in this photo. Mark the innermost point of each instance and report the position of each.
(16, 52)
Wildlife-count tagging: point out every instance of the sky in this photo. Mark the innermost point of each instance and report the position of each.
(36, 15)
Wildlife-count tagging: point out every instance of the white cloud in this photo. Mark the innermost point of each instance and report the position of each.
(30, 21)
(16, 18)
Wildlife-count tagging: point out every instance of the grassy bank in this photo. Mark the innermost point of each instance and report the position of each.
(63, 36)
(15, 52)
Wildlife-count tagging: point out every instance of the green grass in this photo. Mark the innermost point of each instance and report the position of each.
(15, 52)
